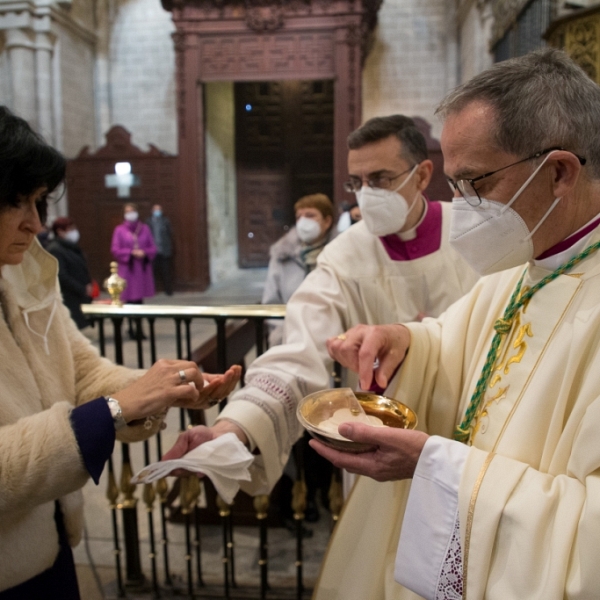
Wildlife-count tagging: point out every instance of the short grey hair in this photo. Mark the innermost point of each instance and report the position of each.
(541, 100)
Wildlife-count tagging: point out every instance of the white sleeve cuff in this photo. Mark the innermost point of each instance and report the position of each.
(430, 516)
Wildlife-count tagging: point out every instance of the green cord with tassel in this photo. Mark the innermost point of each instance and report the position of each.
(502, 326)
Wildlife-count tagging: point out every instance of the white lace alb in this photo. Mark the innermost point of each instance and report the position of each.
(450, 581)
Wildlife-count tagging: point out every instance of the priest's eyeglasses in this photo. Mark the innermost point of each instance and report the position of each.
(380, 181)
(467, 189)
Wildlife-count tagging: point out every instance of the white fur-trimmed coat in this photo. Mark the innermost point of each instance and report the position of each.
(46, 368)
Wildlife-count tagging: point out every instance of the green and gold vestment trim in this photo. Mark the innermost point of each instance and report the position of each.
(464, 431)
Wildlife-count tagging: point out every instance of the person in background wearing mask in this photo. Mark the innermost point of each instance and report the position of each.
(134, 250)
(160, 227)
(392, 266)
(295, 254)
(349, 216)
(73, 274)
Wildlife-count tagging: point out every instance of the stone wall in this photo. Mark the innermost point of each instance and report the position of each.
(142, 73)
(475, 30)
(74, 92)
(221, 179)
(413, 62)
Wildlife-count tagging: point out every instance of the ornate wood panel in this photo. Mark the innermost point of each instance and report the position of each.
(245, 58)
(284, 128)
(260, 40)
(261, 213)
(89, 197)
(579, 36)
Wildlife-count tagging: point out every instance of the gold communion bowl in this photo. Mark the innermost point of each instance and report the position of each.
(316, 408)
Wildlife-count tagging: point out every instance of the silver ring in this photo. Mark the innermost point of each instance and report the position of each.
(182, 376)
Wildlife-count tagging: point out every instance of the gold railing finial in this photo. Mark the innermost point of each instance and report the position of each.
(115, 285)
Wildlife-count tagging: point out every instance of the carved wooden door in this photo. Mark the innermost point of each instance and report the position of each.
(284, 150)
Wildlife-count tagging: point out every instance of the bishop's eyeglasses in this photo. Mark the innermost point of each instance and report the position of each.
(467, 189)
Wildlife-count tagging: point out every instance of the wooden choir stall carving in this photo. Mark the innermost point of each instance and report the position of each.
(97, 194)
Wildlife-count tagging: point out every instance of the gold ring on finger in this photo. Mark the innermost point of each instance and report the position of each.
(342, 337)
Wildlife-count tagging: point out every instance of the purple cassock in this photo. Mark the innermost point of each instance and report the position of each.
(136, 271)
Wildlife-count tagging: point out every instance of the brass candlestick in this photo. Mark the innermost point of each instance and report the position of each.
(115, 285)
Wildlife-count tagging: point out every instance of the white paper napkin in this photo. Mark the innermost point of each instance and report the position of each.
(224, 460)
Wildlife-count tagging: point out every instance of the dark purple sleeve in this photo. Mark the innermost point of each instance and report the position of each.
(95, 433)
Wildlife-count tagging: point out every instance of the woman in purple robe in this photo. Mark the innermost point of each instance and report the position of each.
(133, 248)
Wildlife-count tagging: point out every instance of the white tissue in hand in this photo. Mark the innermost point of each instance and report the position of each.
(224, 460)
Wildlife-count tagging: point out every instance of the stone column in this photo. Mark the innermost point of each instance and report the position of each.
(20, 48)
(347, 103)
(103, 71)
(44, 88)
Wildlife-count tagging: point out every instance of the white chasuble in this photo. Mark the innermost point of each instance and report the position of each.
(529, 497)
(356, 281)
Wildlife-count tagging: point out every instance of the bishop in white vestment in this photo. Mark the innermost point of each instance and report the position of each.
(504, 501)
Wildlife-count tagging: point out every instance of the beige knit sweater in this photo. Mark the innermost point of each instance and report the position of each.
(46, 367)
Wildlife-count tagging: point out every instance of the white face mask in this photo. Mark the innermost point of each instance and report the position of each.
(384, 211)
(72, 235)
(131, 216)
(492, 237)
(308, 230)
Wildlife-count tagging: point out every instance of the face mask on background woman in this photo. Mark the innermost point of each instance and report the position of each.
(308, 230)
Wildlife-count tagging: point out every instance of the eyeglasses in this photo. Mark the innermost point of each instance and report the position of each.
(383, 182)
(467, 189)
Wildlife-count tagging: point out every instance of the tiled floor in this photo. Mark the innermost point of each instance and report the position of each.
(95, 556)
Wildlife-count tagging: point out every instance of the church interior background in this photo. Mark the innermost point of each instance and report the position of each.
(211, 85)
(256, 119)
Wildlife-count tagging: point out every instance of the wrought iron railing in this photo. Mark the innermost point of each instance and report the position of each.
(235, 328)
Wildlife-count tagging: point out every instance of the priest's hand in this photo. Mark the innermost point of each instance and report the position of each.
(359, 347)
(394, 455)
(194, 437)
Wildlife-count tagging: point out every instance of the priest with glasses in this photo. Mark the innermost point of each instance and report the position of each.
(497, 495)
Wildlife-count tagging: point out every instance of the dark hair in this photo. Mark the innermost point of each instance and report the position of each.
(413, 144)
(27, 163)
(62, 224)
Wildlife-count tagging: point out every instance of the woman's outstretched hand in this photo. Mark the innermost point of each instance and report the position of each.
(174, 383)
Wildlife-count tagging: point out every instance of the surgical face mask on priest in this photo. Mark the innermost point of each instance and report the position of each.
(492, 237)
(157, 213)
(385, 211)
(308, 230)
(131, 216)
